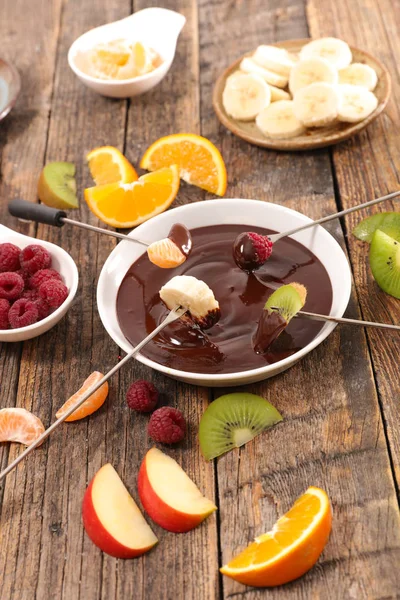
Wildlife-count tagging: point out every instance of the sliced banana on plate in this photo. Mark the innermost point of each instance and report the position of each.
(248, 65)
(357, 103)
(312, 70)
(245, 95)
(274, 59)
(278, 121)
(278, 94)
(359, 74)
(317, 104)
(335, 51)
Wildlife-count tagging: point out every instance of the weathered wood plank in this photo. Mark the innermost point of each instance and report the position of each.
(332, 432)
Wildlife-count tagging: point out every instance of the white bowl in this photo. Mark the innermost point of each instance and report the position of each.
(218, 212)
(157, 28)
(64, 264)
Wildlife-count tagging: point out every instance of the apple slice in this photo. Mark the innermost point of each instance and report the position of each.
(169, 496)
(112, 519)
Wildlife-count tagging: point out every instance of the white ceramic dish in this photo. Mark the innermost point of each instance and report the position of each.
(64, 264)
(157, 28)
(216, 212)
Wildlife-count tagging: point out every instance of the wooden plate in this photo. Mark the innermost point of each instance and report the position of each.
(313, 138)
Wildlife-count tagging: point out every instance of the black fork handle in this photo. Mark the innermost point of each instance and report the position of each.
(40, 213)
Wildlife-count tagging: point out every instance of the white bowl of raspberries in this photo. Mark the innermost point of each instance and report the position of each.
(38, 282)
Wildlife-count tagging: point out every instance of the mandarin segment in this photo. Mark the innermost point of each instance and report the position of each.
(108, 165)
(165, 254)
(19, 425)
(93, 403)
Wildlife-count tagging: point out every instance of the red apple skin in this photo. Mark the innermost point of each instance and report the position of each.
(161, 513)
(99, 535)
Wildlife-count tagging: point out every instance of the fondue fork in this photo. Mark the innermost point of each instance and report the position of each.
(175, 314)
(329, 318)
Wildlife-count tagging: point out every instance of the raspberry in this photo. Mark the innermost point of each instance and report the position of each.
(25, 275)
(142, 396)
(42, 306)
(43, 275)
(54, 292)
(9, 257)
(167, 425)
(22, 313)
(251, 250)
(11, 285)
(30, 295)
(34, 257)
(4, 308)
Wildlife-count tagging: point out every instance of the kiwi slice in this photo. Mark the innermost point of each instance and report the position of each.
(233, 420)
(388, 222)
(57, 185)
(384, 258)
(288, 299)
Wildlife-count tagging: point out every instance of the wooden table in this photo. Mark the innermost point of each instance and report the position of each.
(341, 403)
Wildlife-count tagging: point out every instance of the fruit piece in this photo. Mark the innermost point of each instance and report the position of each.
(169, 496)
(57, 185)
(275, 59)
(199, 161)
(290, 548)
(232, 420)
(167, 425)
(359, 74)
(251, 250)
(165, 254)
(248, 65)
(194, 295)
(312, 70)
(112, 519)
(356, 103)
(34, 257)
(25, 275)
(19, 425)
(4, 308)
(388, 222)
(43, 275)
(119, 59)
(54, 292)
(109, 165)
(278, 121)
(335, 51)
(142, 396)
(9, 257)
(317, 104)
(278, 94)
(128, 204)
(384, 258)
(11, 285)
(93, 403)
(23, 312)
(245, 95)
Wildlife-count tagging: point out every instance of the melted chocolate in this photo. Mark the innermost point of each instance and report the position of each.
(228, 346)
(270, 326)
(181, 237)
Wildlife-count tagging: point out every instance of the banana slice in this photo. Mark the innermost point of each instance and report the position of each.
(245, 95)
(249, 66)
(317, 104)
(279, 122)
(278, 94)
(335, 51)
(312, 70)
(356, 103)
(359, 74)
(194, 295)
(275, 59)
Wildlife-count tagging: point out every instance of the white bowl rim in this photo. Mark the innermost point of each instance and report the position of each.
(8, 333)
(221, 378)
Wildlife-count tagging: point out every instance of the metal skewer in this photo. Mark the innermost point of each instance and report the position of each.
(317, 317)
(172, 316)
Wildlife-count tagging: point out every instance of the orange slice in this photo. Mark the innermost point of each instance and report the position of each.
(200, 162)
(19, 425)
(290, 549)
(90, 405)
(128, 204)
(108, 165)
(165, 254)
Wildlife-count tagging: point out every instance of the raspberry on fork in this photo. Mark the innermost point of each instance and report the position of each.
(54, 292)
(167, 425)
(23, 313)
(9, 257)
(142, 396)
(251, 250)
(11, 285)
(35, 257)
(4, 308)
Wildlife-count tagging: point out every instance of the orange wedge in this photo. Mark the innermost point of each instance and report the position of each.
(90, 405)
(290, 549)
(200, 162)
(109, 165)
(19, 425)
(165, 254)
(128, 204)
